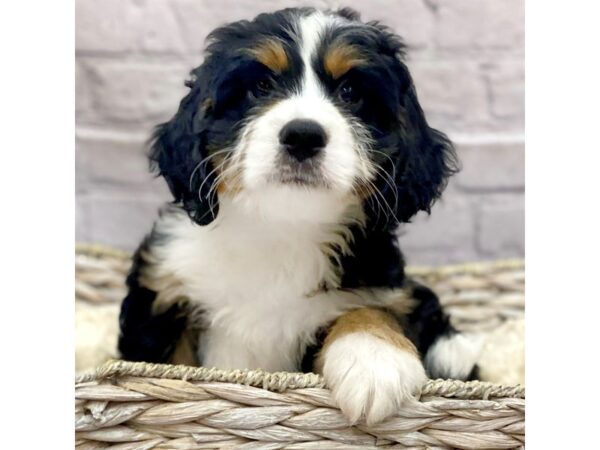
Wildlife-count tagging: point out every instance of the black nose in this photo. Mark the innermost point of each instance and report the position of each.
(302, 138)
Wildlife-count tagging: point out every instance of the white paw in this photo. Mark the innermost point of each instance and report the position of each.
(369, 377)
(453, 356)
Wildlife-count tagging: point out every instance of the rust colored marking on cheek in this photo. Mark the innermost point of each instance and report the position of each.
(271, 53)
(340, 58)
(229, 187)
(229, 182)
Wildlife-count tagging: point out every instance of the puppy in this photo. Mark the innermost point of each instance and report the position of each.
(298, 150)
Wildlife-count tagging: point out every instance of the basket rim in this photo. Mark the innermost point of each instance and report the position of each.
(283, 381)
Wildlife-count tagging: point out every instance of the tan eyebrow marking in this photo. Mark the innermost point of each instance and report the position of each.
(271, 53)
(340, 58)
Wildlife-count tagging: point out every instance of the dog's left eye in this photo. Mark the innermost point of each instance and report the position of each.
(261, 89)
(349, 94)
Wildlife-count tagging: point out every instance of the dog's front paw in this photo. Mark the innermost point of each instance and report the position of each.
(369, 377)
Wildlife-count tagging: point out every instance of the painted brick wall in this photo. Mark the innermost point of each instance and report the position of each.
(466, 57)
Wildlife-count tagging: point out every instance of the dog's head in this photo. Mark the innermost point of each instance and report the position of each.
(297, 114)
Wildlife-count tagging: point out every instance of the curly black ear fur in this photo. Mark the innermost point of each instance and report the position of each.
(179, 154)
(420, 162)
(425, 162)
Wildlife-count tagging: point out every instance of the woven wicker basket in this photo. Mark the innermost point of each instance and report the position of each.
(122, 405)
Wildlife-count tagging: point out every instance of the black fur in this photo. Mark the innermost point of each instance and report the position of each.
(311, 352)
(375, 260)
(144, 335)
(427, 323)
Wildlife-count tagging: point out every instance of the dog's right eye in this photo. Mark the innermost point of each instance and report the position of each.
(261, 89)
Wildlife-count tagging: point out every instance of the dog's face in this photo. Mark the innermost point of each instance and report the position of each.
(296, 115)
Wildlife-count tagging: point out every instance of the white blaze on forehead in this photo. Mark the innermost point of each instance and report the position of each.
(311, 30)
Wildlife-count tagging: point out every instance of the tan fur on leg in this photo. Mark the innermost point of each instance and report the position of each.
(373, 321)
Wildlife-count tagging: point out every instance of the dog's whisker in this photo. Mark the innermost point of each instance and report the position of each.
(377, 193)
(213, 189)
(389, 181)
(386, 175)
(234, 165)
(374, 201)
(203, 161)
(371, 201)
(207, 177)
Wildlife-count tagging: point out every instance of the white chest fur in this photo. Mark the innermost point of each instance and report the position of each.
(257, 284)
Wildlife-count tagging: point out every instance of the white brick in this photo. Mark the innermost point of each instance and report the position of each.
(133, 92)
(118, 167)
(501, 226)
(507, 90)
(121, 222)
(452, 94)
(450, 227)
(104, 27)
(491, 166)
(82, 173)
(82, 228)
(160, 30)
(126, 25)
(481, 24)
(83, 95)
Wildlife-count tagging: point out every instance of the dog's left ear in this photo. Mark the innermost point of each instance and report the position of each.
(423, 159)
(178, 153)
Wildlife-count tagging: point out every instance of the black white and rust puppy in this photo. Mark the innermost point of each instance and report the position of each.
(297, 152)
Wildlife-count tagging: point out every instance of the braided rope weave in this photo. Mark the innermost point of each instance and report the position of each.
(122, 405)
(282, 381)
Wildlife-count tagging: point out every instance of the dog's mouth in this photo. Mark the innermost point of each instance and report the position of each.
(306, 173)
(300, 181)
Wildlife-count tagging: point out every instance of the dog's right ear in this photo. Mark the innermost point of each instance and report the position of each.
(178, 153)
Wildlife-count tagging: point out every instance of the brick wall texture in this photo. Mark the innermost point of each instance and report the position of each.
(466, 56)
